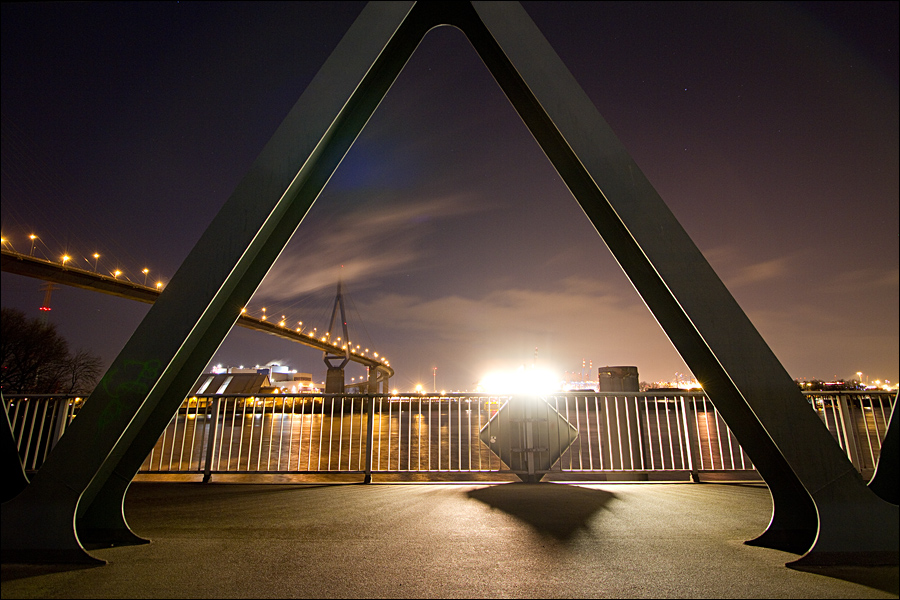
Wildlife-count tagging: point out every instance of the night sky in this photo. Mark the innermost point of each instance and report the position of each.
(770, 130)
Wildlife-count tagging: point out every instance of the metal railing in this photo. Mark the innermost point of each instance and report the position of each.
(857, 420)
(263, 434)
(320, 434)
(38, 421)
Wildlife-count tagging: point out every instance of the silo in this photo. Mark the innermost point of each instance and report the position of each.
(622, 417)
(619, 379)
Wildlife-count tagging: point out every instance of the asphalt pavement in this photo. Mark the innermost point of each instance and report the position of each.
(655, 540)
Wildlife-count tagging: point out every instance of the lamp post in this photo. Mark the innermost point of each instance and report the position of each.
(32, 237)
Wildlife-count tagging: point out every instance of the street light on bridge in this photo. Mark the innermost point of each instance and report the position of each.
(32, 237)
(96, 260)
(145, 271)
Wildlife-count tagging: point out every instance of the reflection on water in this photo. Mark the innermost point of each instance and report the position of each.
(426, 435)
(438, 436)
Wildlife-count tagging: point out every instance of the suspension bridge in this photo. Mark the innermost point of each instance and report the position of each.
(337, 348)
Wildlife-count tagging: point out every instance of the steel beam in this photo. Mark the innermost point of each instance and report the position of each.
(886, 480)
(820, 502)
(122, 419)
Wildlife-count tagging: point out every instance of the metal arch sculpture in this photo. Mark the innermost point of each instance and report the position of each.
(820, 503)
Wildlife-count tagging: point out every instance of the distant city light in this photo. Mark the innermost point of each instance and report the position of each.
(522, 381)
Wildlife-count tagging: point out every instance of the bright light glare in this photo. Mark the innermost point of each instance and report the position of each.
(522, 381)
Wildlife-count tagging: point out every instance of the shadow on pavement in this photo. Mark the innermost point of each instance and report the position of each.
(13, 571)
(886, 579)
(552, 509)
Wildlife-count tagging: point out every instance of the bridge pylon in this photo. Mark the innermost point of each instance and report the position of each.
(334, 378)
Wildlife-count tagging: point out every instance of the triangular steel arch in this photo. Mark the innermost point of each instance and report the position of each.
(820, 501)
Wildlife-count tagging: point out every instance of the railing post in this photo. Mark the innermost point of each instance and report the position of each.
(528, 435)
(848, 427)
(644, 437)
(34, 420)
(692, 436)
(59, 427)
(370, 423)
(211, 440)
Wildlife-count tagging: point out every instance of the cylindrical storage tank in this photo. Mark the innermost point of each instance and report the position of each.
(619, 379)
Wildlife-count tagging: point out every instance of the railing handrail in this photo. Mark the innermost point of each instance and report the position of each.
(659, 394)
(48, 396)
(849, 392)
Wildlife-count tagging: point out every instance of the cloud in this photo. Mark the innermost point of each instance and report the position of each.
(759, 272)
(889, 278)
(581, 318)
(359, 246)
(813, 341)
(452, 317)
(730, 263)
(864, 278)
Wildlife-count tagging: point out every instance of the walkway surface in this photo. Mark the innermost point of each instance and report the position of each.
(446, 540)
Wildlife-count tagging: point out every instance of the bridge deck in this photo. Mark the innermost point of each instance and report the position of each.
(46, 270)
(515, 540)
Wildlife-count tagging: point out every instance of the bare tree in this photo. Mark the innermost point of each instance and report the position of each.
(80, 373)
(35, 359)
